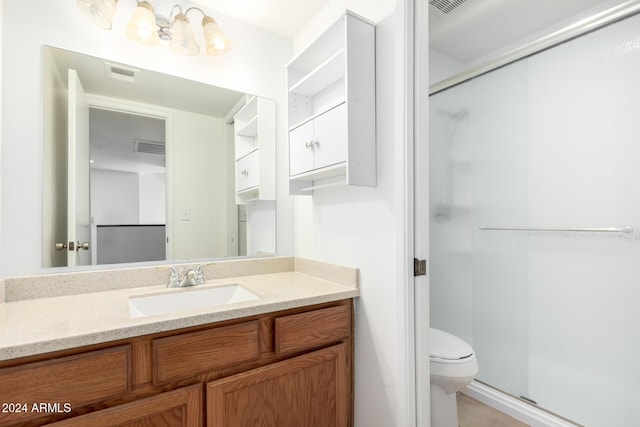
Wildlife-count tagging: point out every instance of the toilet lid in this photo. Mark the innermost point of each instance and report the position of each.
(447, 347)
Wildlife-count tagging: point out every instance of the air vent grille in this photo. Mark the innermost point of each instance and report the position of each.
(446, 6)
(149, 147)
(120, 72)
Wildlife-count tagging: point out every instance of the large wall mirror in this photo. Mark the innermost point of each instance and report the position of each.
(140, 166)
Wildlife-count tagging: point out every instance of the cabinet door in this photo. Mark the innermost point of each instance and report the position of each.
(248, 171)
(330, 137)
(177, 408)
(311, 390)
(300, 149)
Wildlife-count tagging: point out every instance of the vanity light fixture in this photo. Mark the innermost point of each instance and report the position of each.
(147, 28)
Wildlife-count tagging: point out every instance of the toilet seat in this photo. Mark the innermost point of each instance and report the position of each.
(447, 348)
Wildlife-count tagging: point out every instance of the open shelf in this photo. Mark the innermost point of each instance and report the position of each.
(250, 128)
(324, 75)
(249, 111)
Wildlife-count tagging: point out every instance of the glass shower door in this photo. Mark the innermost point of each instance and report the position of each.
(534, 223)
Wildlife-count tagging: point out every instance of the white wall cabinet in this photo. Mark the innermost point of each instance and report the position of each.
(331, 108)
(255, 144)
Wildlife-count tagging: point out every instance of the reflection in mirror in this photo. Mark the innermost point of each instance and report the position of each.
(141, 166)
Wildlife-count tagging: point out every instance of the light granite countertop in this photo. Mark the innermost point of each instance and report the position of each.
(49, 323)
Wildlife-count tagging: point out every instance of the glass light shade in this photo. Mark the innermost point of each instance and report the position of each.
(99, 12)
(217, 42)
(142, 27)
(183, 42)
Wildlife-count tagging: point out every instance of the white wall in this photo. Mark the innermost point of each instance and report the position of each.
(365, 227)
(55, 152)
(259, 219)
(199, 185)
(115, 197)
(153, 198)
(127, 198)
(255, 65)
(1, 170)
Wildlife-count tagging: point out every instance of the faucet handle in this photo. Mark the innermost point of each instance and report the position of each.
(200, 275)
(174, 278)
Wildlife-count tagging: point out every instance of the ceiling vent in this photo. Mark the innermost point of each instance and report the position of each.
(120, 72)
(446, 6)
(148, 147)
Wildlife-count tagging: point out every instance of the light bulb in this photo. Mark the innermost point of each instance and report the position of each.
(217, 42)
(183, 42)
(142, 27)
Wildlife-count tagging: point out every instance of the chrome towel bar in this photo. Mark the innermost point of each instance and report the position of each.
(625, 229)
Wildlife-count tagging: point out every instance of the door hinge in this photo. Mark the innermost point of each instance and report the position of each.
(419, 267)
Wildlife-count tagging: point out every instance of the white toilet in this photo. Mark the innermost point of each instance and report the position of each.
(453, 366)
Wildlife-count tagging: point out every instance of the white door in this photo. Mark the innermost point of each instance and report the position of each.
(330, 137)
(248, 171)
(301, 149)
(78, 215)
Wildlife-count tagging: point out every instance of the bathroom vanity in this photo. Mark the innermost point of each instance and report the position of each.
(284, 359)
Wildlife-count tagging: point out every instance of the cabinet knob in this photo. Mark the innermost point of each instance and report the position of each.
(245, 172)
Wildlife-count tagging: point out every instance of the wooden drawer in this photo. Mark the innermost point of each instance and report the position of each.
(187, 355)
(181, 407)
(76, 380)
(304, 331)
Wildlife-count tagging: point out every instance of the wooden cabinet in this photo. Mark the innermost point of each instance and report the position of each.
(255, 150)
(309, 390)
(287, 368)
(331, 108)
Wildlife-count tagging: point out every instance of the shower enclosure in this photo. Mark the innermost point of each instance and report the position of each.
(535, 224)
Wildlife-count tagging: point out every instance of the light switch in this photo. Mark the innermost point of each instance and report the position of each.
(185, 214)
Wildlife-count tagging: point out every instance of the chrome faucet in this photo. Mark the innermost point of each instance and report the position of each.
(191, 277)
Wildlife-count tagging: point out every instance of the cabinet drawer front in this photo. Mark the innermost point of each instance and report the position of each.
(75, 380)
(303, 331)
(187, 355)
(248, 171)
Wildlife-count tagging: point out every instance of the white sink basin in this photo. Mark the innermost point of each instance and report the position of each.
(188, 299)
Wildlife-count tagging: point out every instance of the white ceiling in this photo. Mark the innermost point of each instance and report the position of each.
(478, 28)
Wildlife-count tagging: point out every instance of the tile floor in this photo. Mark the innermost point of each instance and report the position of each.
(472, 413)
